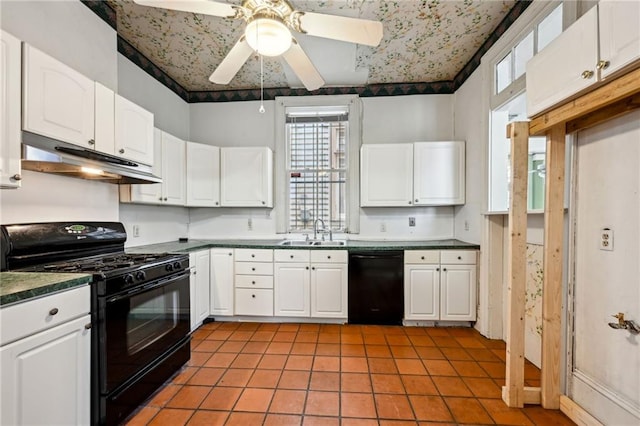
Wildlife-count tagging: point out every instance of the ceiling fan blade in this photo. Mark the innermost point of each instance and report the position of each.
(302, 66)
(232, 63)
(353, 30)
(204, 7)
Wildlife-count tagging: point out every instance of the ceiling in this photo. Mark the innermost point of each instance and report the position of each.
(424, 41)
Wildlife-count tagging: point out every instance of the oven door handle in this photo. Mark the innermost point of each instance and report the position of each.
(147, 287)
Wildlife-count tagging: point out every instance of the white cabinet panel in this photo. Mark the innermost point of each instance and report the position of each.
(439, 173)
(619, 28)
(200, 287)
(329, 290)
(258, 302)
(134, 131)
(173, 171)
(386, 175)
(10, 138)
(458, 293)
(221, 285)
(246, 177)
(254, 255)
(422, 292)
(105, 130)
(254, 281)
(292, 290)
(58, 101)
(203, 175)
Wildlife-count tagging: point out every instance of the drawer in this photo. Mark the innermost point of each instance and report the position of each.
(422, 256)
(254, 281)
(291, 255)
(254, 302)
(251, 255)
(458, 257)
(254, 268)
(33, 316)
(329, 256)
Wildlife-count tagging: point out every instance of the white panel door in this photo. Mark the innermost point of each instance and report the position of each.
(203, 175)
(105, 130)
(292, 290)
(199, 262)
(150, 193)
(134, 131)
(221, 285)
(46, 377)
(58, 101)
(605, 376)
(174, 188)
(619, 27)
(246, 177)
(386, 175)
(10, 138)
(422, 292)
(329, 290)
(439, 173)
(458, 293)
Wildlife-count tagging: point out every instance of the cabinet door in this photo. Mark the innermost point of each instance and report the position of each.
(58, 101)
(619, 28)
(458, 293)
(148, 193)
(10, 138)
(422, 292)
(386, 175)
(565, 67)
(203, 175)
(292, 290)
(46, 377)
(200, 266)
(439, 173)
(105, 140)
(134, 131)
(173, 170)
(221, 285)
(246, 177)
(329, 290)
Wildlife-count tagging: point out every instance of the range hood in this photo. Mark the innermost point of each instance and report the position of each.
(43, 154)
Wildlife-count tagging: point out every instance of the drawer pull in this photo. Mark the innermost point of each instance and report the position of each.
(586, 74)
(230, 254)
(121, 150)
(253, 296)
(253, 282)
(438, 269)
(459, 257)
(328, 257)
(313, 268)
(53, 311)
(253, 255)
(291, 256)
(444, 269)
(87, 326)
(603, 65)
(307, 268)
(422, 257)
(253, 269)
(16, 177)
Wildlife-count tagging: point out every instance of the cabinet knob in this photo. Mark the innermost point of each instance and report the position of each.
(437, 269)
(444, 269)
(87, 326)
(230, 254)
(121, 150)
(253, 282)
(307, 268)
(409, 202)
(291, 256)
(313, 268)
(195, 272)
(459, 257)
(253, 255)
(17, 176)
(217, 203)
(586, 74)
(91, 142)
(253, 295)
(165, 198)
(160, 198)
(328, 257)
(417, 201)
(53, 311)
(263, 203)
(422, 257)
(253, 269)
(603, 65)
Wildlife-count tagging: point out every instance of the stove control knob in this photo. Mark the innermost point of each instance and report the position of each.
(169, 267)
(177, 265)
(141, 276)
(128, 279)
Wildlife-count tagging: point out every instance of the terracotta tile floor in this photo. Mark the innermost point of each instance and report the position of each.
(311, 374)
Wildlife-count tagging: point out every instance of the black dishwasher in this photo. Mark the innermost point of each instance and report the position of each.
(376, 287)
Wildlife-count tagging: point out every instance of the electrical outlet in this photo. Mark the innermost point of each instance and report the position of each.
(249, 224)
(466, 225)
(383, 227)
(412, 221)
(136, 230)
(606, 239)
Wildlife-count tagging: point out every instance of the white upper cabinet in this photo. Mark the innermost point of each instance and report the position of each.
(246, 177)
(619, 29)
(386, 175)
(10, 58)
(203, 175)
(105, 120)
(58, 102)
(133, 131)
(439, 173)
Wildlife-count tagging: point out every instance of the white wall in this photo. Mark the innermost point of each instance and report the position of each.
(156, 224)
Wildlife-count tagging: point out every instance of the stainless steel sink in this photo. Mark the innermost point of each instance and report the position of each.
(313, 243)
(330, 243)
(297, 243)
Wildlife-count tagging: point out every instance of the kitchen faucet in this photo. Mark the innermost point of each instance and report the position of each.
(324, 229)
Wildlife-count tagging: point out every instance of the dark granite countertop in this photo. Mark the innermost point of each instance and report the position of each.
(195, 245)
(20, 286)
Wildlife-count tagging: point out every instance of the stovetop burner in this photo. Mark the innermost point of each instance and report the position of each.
(101, 264)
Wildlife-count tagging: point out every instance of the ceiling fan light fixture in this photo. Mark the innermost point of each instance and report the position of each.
(268, 36)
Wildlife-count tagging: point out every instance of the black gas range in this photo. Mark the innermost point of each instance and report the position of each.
(139, 305)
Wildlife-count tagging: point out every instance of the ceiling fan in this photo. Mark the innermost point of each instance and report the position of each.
(268, 32)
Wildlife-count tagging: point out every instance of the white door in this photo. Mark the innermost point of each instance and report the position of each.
(46, 377)
(221, 285)
(134, 131)
(58, 101)
(292, 290)
(246, 177)
(605, 376)
(10, 138)
(202, 287)
(105, 127)
(619, 34)
(422, 292)
(438, 173)
(150, 193)
(328, 290)
(174, 187)
(458, 293)
(203, 175)
(386, 175)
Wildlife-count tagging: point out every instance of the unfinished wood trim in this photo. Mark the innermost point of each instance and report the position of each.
(531, 395)
(607, 113)
(552, 267)
(576, 413)
(513, 395)
(618, 89)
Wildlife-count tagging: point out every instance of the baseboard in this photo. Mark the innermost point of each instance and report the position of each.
(576, 413)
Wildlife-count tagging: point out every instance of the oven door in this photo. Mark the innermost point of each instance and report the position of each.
(139, 326)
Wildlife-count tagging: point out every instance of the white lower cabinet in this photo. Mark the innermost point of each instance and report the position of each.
(422, 292)
(458, 293)
(221, 282)
(329, 290)
(253, 282)
(292, 287)
(45, 373)
(199, 287)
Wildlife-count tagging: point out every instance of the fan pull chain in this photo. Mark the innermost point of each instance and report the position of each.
(261, 110)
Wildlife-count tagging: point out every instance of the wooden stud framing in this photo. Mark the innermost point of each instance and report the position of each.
(577, 413)
(513, 394)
